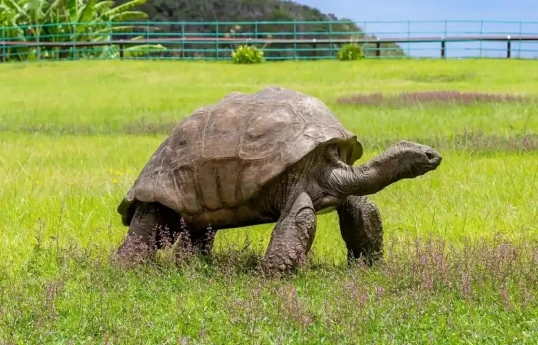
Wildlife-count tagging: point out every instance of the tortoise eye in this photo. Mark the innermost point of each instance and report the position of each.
(338, 152)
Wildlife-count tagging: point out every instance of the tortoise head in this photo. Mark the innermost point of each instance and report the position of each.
(408, 159)
(404, 160)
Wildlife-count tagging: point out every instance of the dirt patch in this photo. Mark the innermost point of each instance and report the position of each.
(440, 78)
(432, 97)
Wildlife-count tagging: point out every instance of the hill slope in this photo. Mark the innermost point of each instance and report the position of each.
(257, 10)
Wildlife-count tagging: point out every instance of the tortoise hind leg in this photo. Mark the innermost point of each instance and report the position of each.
(361, 228)
(292, 236)
(193, 241)
(152, 227)
(202, 241)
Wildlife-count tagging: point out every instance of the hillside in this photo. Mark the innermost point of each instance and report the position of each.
(255, 10)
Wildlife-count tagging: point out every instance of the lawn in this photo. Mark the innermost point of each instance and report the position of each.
(461, 242)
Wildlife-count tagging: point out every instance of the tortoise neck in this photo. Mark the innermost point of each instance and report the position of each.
(365, 179)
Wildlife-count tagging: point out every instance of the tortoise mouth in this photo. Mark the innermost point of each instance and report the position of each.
(434, 159)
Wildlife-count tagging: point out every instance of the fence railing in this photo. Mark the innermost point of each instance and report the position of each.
(281, 40)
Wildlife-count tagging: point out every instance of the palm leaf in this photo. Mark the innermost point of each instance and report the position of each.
(13, 5)
(144, 49)
(52, 7)
(127, 15)
(86, 16)
(124, 7)
(71, 10)
(104, 5)
(34, 5)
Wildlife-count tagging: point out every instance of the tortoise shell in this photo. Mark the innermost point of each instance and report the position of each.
(223, 154)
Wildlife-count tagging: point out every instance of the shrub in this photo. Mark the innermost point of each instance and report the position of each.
(350, 51)
(247, 55)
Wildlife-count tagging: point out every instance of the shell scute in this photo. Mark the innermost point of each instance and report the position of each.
(222, 154)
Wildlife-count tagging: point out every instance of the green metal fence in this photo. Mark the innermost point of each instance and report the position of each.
(283, 40)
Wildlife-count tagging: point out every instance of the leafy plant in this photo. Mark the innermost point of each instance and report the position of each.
(247, 55)
(65, 21)
(350, 51)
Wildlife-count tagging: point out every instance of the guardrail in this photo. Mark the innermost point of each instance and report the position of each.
(280, 40)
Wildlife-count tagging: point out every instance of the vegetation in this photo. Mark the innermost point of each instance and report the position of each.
(66, 21)
(350, 52)
(284, 11)
(461, 243)
(247, 55)
(428, 97)
(102, 20)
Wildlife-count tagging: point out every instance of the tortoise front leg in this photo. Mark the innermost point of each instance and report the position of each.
(153, 227)
(292, 236)
(361, 228)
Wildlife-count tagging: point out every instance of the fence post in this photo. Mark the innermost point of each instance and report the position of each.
(147, 39)
(378, 48)
(295, 39)
(520, 31)
(74, 54)
(217, 52)
(481, 35)
(508, 47)
(331, 38)
(38, 47)
(4, 53)
(443, 44)
(183, 40)
(408, 37)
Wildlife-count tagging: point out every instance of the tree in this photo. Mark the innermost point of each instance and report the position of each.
(251, 11)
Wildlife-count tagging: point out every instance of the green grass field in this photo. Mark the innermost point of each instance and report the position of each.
(461, 242)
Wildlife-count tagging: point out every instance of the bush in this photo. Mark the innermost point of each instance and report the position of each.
(247, 55)
(351, 51)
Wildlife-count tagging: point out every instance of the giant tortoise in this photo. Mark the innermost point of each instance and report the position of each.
(277, 155)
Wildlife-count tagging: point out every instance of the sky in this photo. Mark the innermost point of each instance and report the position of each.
(441, 10)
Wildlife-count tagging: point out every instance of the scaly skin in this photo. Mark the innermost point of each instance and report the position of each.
(320, 181)
(361, 228)
(293, 235)
(154, 227)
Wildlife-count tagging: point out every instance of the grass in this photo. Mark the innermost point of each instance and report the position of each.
(461, 242)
